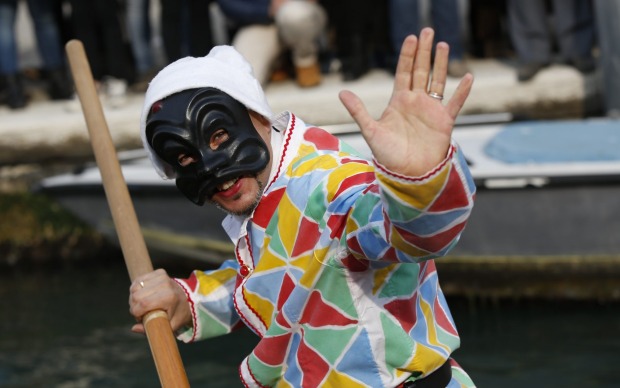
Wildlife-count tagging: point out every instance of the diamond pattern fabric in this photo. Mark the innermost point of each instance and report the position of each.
(343, 289)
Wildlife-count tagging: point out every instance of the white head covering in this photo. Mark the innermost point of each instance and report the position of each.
(223, 68)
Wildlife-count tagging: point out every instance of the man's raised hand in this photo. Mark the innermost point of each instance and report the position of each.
(413, 134)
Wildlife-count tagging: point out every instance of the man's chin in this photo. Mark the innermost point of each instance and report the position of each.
(240, 210)
(243, 212)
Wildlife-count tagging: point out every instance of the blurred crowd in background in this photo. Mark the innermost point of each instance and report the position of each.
(129, 41)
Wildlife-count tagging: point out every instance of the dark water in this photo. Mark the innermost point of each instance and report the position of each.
(70, 328)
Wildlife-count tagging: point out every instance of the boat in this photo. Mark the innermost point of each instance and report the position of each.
(546, 189)
(173, 227)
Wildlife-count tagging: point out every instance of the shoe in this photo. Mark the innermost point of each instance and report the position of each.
(527, 71)
(355, 59)
(13, 90)
(351, 72)
(354, 67)
(60, 85)
(457, 68)
(73, 104)
(308, 76)
(584, 65)
(279, 75)
(143, 80)
(115, 91)
(283, 69)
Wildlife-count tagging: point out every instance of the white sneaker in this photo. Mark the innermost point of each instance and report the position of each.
(72, 105)
(115, 91)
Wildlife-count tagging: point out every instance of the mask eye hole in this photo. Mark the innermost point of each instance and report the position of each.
(174, 151)
(218, 137)
(185, 160)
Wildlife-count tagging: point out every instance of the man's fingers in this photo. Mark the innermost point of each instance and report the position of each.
(422, 63)
(143, 294)
(403, 78)
(460, 95)
(356, 109)
(138, 328)
(440, 69)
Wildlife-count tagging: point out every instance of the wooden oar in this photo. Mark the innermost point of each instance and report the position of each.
(159, 333)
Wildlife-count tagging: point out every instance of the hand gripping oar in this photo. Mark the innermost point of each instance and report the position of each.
(161, 339)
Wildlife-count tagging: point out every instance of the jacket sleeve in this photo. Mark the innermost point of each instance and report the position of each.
(210, 296)
(246, 11)
(410, 219)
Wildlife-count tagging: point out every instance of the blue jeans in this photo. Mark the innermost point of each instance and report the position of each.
(607, 15)
(405, 20)
(139, 29)
(529, 30)
(46, 31)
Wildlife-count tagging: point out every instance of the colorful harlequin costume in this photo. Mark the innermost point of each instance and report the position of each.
(334, 269)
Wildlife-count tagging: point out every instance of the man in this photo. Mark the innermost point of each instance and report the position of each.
(334, 265)
(266, 29)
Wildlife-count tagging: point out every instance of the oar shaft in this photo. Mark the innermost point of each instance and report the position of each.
(125, 219)
(159, 333)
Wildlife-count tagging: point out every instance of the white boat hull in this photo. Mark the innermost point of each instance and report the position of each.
(522, 209)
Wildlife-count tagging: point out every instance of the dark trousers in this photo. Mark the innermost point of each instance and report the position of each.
(573, 25)
(360, 29)
(186, 28)
(97, 23)
(405, 19)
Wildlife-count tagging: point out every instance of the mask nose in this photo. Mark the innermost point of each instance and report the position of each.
(213, 162)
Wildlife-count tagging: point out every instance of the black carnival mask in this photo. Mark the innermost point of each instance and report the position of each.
(187, 123)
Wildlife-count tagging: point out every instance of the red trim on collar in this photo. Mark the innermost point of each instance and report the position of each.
(289, 134)
(248, 242)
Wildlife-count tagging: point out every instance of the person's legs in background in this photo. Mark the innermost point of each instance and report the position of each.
(97, 24)
(446, 19)
(404, 20)
(49, 44)
(116, 52)
(607, 14)
(300, 25)
(171, 29)
(62, 15)
(574, 21)
(11, 84)
(531, 39)
(200, 34)
(353, 35)
(85, 26)
(139, 31)
(487, 29)
(260, 46)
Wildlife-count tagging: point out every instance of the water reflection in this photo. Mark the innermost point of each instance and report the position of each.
(540, 344)
(70, 328)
